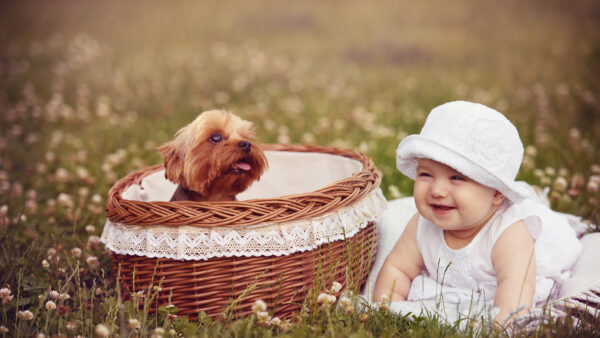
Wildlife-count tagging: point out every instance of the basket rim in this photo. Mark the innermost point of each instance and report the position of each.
(248, 212)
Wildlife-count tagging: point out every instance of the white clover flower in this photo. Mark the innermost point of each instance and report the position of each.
(71, 326)
(106, 167)
(4, 292)
(345, 302)
(531, 150)
(97, 199)
(62, 175)
(385, 302)
(561, 184)
(138, 295)
(283, 138)
(93, 240)
(322, 298)
(54, 294)
(3, 329)
(383, 306)
(349, 309)
(65, 200)
(134, 324)
(82, 173)
(110, 177)
(16, 189)
(64, 296)
(83, 192)
(102, 330)
(309, 138)
(545, 180)
(92, 261)
(5, 295)
(4, 210)
(336, 287)
(259, 306)
(41, 168)
(326, 299)
(276, 321)
(263, 316)
(76, 252)
(50, 206)
(45, 264)
(50, 305)
(25, 315)
(31, 194)
(30, 207)
(90, 228)
(574, 134)
(593, 187)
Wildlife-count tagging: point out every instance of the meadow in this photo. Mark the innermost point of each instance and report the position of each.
(89, 89)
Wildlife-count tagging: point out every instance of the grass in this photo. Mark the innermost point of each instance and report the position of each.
(89, 89)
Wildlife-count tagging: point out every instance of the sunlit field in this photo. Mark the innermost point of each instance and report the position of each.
(89, 89)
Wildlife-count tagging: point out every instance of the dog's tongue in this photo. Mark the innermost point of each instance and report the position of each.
(242, 166)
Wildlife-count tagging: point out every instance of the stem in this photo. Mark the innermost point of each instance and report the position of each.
(46, 324)
(17, 321)
(329, 323)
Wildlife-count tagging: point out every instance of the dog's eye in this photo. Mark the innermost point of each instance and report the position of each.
(215, 138)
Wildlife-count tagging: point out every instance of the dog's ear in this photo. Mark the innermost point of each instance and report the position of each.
(173, 161)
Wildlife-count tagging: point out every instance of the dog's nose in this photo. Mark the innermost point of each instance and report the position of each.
(245, 145)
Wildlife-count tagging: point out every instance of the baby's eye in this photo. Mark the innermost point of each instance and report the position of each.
(215, 138)
(424, 174)
(457, 178)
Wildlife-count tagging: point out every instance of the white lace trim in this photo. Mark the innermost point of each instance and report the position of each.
(269, 239)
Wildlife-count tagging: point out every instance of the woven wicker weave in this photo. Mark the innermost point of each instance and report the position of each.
(283, 282)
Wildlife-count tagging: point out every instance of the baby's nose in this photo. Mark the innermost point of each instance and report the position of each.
(438, 189)
(245, 146)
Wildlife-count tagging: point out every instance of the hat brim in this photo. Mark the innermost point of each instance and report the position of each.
(414, 147)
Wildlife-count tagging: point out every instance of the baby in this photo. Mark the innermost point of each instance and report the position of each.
(476, 232)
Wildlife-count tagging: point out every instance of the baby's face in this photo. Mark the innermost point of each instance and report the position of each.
(451, 200)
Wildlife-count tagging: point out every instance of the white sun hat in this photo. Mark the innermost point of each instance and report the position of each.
(474, 139)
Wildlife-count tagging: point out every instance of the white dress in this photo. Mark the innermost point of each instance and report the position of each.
(467, 274)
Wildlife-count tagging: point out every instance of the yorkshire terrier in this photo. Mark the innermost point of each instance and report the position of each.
(213, 158)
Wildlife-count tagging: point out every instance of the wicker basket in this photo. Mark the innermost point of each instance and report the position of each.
(283, 281)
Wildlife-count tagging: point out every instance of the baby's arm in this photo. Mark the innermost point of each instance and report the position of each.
(513, 257)
(400, 267)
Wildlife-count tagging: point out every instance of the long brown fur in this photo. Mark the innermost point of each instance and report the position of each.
(206, 171)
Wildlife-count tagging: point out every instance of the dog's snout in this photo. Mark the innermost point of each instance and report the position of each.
(245, 145)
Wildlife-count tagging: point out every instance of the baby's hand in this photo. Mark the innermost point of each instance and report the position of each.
(400, 267)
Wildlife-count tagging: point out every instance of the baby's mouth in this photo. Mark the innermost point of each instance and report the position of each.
(441, 208)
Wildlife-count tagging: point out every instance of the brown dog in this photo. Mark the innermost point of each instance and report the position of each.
(213, 158)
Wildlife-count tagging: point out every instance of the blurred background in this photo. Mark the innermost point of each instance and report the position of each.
(88, 89)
